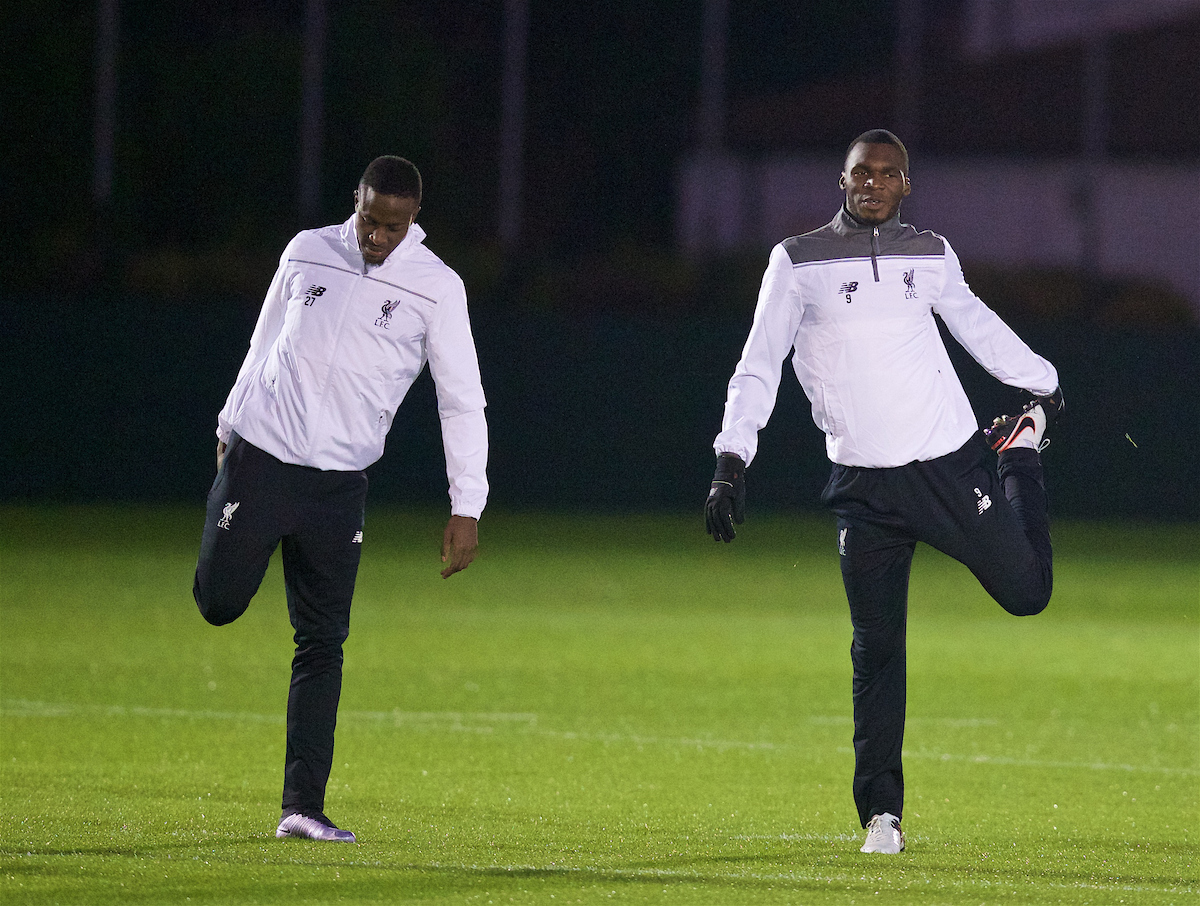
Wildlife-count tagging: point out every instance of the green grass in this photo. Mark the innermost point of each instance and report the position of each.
(600, 709)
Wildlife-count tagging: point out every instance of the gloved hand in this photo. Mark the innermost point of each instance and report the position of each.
(1008, 430)
(1052, 405)
(726, 502)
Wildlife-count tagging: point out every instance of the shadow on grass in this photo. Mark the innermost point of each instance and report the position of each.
(462, 879)
(348, 872)
(130, 852)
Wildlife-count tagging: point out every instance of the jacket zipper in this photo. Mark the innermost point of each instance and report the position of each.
(874, 252)
(337, 342)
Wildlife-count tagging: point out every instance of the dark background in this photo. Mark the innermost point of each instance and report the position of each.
(604, 351)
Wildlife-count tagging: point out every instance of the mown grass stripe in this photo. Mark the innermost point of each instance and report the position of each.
(524, 722)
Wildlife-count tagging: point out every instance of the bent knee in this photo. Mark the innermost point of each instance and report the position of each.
(1027, 608)
(1027, 605)
(1023, 593)
(219, 609)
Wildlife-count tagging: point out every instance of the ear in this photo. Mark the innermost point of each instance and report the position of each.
(842, 181)
(907, 185)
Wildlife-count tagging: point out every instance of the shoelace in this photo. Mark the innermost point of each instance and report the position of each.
(310, 827)
(305, 824)
(879, 830)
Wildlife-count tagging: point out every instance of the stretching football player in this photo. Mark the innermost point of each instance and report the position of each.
(856, 301)
(354, 313)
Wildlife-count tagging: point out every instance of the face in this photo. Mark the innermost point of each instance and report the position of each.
(381, 222)
(875, 182)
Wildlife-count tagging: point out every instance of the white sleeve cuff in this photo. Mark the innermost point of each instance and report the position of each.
(465, 441)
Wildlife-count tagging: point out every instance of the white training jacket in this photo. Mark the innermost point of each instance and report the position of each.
(338, 345)
(857, 304)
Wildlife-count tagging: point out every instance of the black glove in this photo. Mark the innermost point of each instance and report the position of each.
(726, 498)
(1052, 405)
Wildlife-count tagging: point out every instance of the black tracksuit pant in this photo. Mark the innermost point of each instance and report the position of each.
(257, 501)
(991, 520)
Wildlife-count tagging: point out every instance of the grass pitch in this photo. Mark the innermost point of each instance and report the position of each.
(599, 710)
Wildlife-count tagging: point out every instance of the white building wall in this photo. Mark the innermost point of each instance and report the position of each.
(993, 211)
(995, 26)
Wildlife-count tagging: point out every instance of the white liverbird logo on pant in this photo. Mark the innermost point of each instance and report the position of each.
(227, 514)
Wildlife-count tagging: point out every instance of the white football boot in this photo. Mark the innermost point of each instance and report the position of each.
(1010, 432)
(1025, 430)
(884, 835)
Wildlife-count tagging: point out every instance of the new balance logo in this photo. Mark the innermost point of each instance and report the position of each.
(314, 293)
(357, 539)
(848, 288)
(227, 515)
(985, 501)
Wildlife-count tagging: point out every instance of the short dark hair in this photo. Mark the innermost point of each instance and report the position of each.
(877, 137)
(391, 175)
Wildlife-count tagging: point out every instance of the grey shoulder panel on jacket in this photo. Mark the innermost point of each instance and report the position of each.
(829, 244)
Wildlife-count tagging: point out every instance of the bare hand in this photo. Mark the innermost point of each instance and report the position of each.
(221, 447)
(459, 543)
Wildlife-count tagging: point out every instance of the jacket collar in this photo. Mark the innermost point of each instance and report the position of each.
(349, 237)
(845, 225)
